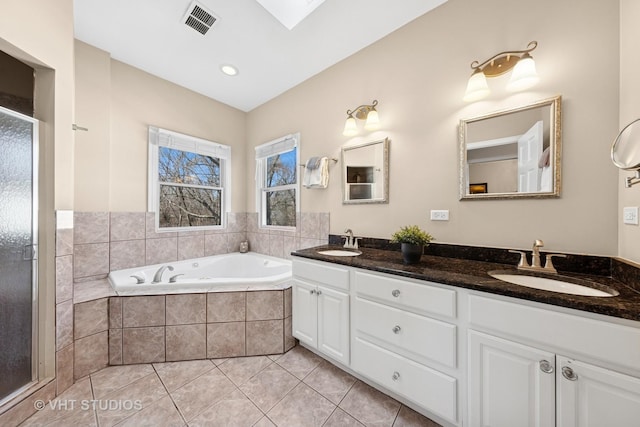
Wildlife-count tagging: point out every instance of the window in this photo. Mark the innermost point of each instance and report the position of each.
(188, 180)
(277, 182)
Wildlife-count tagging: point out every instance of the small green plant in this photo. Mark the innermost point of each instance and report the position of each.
(412, 234)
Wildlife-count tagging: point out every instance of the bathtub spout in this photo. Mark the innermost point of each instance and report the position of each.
(157, 278)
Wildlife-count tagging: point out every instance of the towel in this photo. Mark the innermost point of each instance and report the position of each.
(545, 158)
(316, 173)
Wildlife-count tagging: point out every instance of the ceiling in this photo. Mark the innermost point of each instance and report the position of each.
(151, 35)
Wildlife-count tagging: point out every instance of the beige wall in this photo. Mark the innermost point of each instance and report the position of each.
(93, 111)
(628, 235)
(40, 33)
(119, 102)
(419, 74)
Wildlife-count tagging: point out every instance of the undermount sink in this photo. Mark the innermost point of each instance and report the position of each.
(339, 252)
(561, 284)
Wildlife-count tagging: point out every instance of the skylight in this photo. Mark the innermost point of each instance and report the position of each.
(290, 12)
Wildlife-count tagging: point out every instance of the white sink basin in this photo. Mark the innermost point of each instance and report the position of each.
(556, 284)
(338, 252)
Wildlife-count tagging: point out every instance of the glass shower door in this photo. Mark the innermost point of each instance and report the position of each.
(18, 249)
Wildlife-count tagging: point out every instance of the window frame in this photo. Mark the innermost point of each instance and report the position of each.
(263, 152)
(159, 137)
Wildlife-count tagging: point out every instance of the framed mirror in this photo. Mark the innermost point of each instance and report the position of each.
(365, 173)
(513, 153)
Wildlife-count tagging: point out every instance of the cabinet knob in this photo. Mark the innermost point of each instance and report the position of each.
(395, 293)
(569, 374)
(319, 292)
(395, 376)
(312, 291)
(396, 329)
(546, 367)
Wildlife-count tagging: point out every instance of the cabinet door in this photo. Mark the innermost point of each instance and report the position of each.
(590, 396)
(508, 385)
(333, 324)
(304, 310)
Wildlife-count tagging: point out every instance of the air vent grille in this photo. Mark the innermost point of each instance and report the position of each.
(199, 19)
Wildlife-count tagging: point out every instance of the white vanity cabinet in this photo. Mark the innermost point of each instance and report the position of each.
(509, 384)
(396, 342)
(513, 381)
(320, 308)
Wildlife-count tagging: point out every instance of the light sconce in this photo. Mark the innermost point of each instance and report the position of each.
(362, 112)
(523, 77)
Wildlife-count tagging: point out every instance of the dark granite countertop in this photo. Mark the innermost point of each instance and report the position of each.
(472, 274)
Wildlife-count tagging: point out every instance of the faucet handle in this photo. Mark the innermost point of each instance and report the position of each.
(548, 264)
(355, 242)
(174, 278)
(523, 258)
(139, 279)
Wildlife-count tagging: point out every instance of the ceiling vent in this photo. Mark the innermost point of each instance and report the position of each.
(199, 18)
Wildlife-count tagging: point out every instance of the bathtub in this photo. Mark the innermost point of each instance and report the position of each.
(220, 273)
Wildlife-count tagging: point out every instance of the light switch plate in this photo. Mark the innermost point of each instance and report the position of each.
(630, 215)
(439, 215)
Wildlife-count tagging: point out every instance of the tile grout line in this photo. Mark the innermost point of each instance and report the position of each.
(169, 393)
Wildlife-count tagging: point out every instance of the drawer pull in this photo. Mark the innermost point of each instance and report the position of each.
(395, 376)
(546, 367)
(569, 374)
(395, 293)
(396, 329)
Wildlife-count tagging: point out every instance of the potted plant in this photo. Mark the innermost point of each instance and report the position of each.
(412, 241)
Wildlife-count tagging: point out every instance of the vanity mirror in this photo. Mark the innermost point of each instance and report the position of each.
(512, 153)
(365, 173)
(625, 151)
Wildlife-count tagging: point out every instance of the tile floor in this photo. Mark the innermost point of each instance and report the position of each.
(296, 389)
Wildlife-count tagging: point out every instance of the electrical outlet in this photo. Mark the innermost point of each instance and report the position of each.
(630, 215)
(439, 215)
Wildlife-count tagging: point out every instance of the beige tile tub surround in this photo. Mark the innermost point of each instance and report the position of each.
(312, 229)
(151, 329)
(91, 337)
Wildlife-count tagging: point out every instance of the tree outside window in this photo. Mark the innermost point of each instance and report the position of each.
(188, 180)
(278, 182)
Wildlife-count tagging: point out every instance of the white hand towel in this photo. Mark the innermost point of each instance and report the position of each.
(317, 177)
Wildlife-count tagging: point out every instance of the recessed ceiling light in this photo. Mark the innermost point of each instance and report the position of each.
(229, 70)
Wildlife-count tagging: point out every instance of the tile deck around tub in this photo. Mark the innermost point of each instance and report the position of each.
(295, 389)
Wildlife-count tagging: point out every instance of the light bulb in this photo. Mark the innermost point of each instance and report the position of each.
(350, 128)
(373, 121)
(524, 74)
(477, 87)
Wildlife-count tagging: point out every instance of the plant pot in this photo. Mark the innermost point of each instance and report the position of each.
(411, 254)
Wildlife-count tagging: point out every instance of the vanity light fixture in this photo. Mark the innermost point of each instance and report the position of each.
(523, 77)
(362, 112)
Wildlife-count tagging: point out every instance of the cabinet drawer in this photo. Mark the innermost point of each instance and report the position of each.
(324, 273)
(562, 332)
(428, 388)
(417, 337)
(418, 297)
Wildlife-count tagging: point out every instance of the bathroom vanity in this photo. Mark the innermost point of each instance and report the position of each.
(466, 349)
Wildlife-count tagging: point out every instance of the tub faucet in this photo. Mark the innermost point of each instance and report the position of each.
(157, 278)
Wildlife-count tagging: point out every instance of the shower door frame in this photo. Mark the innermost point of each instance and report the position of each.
(35, 174)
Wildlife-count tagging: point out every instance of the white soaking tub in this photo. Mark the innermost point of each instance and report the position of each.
(219, 273)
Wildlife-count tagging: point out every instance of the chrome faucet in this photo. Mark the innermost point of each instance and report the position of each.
(349, 241)
(536, 264)
(157, 278)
